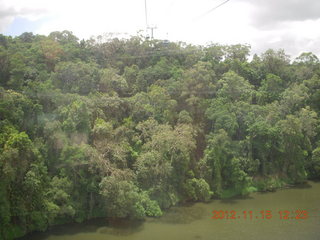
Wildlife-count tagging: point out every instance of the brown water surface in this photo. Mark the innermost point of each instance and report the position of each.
(194, 222)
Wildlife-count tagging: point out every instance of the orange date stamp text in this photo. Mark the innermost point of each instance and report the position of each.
(262, 214)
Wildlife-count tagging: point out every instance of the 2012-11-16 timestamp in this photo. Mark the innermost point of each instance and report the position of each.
(263, 214)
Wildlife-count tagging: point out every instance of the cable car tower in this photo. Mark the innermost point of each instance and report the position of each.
(148, 27)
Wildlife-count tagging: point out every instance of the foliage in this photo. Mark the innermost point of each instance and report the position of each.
(125, 128)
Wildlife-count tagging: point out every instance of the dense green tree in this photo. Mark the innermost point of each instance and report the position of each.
(75, 117)
(111, 82)
(4, 66)
(76, 77)
(270, 89)
(276, 62)
(294, 149)
(315, 163)
(124, 199)
(294, 98)
(313, 85)
(234, 88)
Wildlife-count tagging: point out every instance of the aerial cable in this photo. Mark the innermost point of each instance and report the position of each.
(146, 15)
(211, 10)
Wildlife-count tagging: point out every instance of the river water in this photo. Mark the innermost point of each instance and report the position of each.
(197, 221)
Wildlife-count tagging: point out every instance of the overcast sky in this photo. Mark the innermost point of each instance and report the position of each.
(293, 25)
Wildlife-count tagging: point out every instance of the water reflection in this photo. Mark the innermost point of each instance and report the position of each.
(121, 227)
(235, 200)
(118, 227)
(182, 215)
